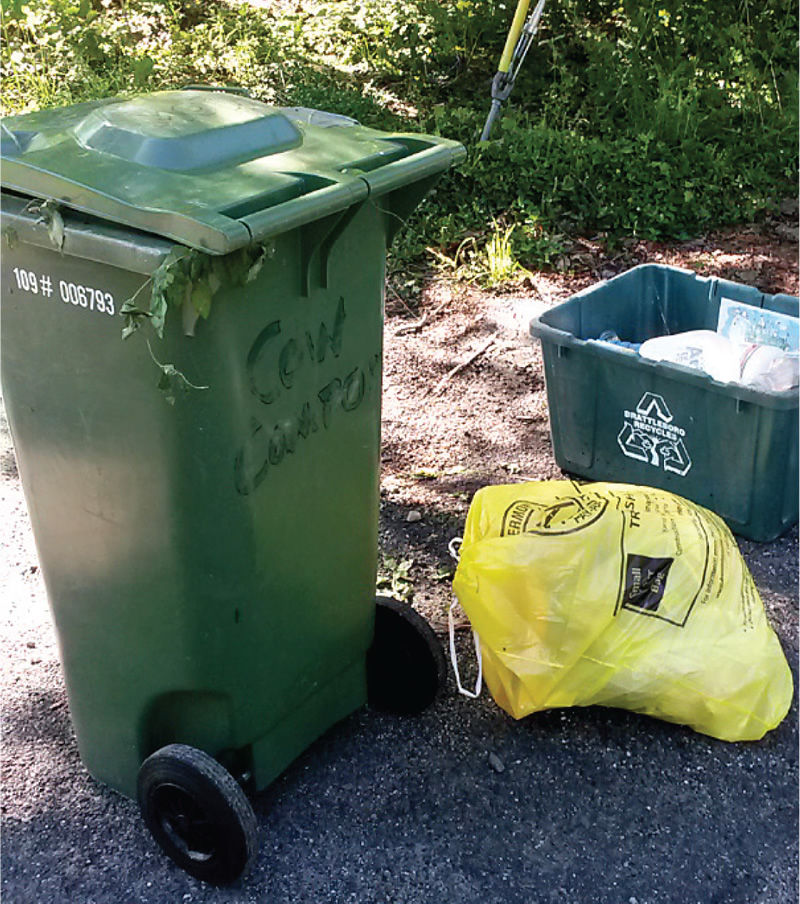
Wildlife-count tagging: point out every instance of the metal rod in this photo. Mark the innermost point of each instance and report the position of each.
(493, 112)
(511, 62)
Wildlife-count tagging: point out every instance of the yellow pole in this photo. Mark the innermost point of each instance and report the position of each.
(513, 35)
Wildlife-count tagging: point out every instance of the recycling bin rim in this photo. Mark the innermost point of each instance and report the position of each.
(561, 339)
(566, 341)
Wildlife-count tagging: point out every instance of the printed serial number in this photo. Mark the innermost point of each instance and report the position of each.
(71, 293)
(86, 297)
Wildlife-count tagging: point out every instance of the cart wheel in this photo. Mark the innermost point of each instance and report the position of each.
(197, 813)
(405, 664)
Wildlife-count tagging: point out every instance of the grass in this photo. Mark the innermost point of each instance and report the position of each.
(629, 119)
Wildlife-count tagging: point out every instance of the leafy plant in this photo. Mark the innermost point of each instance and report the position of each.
(655, 119)
(394, 578)
(501, 265)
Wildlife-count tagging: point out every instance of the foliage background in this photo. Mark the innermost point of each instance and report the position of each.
(655, 119)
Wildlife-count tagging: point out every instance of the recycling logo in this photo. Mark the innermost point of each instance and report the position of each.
(649, 435)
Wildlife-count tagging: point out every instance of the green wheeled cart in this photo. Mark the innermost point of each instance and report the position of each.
(205, 501)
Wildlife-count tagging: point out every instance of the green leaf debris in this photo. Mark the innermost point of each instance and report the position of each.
(187, 279)
(190, 277)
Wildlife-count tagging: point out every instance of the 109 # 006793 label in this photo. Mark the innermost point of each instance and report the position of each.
(86, 297)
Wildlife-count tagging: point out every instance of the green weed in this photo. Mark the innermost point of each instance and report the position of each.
(394, 578)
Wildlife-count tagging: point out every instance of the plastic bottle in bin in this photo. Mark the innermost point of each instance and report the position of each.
(769, 368)
(611, 337)
(763, 367)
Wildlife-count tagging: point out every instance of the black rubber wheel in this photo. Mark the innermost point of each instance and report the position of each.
(197, 813)
(405, 664)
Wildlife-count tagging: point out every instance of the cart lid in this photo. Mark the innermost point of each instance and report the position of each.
(210, 169)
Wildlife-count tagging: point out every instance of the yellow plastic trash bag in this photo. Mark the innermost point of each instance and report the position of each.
(621, 596)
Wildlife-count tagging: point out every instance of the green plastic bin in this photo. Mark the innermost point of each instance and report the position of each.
(205, 505)
(617, 416)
